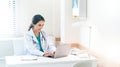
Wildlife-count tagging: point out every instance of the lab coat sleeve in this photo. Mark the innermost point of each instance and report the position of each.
(30, 46)
(50, 42)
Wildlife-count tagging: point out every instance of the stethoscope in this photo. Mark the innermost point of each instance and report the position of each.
(42, 38)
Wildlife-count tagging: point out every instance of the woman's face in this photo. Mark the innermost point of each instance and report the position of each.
(39, 26)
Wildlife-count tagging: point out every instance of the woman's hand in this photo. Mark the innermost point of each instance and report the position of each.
(48, 54)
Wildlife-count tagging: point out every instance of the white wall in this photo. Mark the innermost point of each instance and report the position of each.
(69, 33)
(103, 18)
(103, 15)
(26, 9)
(73, 30)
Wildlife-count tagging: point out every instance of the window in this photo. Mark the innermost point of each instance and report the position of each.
(75, 8)
(79, 9)
(7, 18)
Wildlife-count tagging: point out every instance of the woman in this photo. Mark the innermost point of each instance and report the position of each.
(36, 41)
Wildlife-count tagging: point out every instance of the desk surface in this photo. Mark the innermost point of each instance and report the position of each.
(11, 60)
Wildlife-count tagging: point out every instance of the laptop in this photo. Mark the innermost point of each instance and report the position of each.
(62, 50)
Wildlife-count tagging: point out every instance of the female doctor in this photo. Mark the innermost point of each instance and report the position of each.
(36, 41)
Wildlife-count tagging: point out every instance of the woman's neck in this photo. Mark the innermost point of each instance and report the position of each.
(36, 33)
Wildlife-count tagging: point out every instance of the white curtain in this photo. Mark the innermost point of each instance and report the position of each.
(7, 18)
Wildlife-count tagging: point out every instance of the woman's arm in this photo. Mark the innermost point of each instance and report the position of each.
(30, 46)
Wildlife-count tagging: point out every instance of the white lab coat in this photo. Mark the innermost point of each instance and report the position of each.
(32, 46)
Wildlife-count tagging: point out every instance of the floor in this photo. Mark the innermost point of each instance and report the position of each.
(103, 62)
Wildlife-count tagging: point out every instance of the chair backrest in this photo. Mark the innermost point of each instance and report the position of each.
(6, 48)
(18, 45)
(11, 46)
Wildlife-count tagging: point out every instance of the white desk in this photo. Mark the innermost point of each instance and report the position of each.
(30, 61)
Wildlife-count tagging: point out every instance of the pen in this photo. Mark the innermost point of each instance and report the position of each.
(28, 59)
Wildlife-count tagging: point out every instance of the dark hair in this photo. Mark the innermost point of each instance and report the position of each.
(36, 19)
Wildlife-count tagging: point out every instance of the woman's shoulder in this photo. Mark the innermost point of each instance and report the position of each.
(28, 33)
(43, 33)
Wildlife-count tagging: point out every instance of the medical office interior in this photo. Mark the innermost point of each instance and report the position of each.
(93, 30)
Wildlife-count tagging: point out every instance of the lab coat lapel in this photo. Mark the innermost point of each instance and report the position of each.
(33, 35)
(43, 41)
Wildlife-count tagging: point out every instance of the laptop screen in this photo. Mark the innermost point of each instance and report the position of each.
(62, 50)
